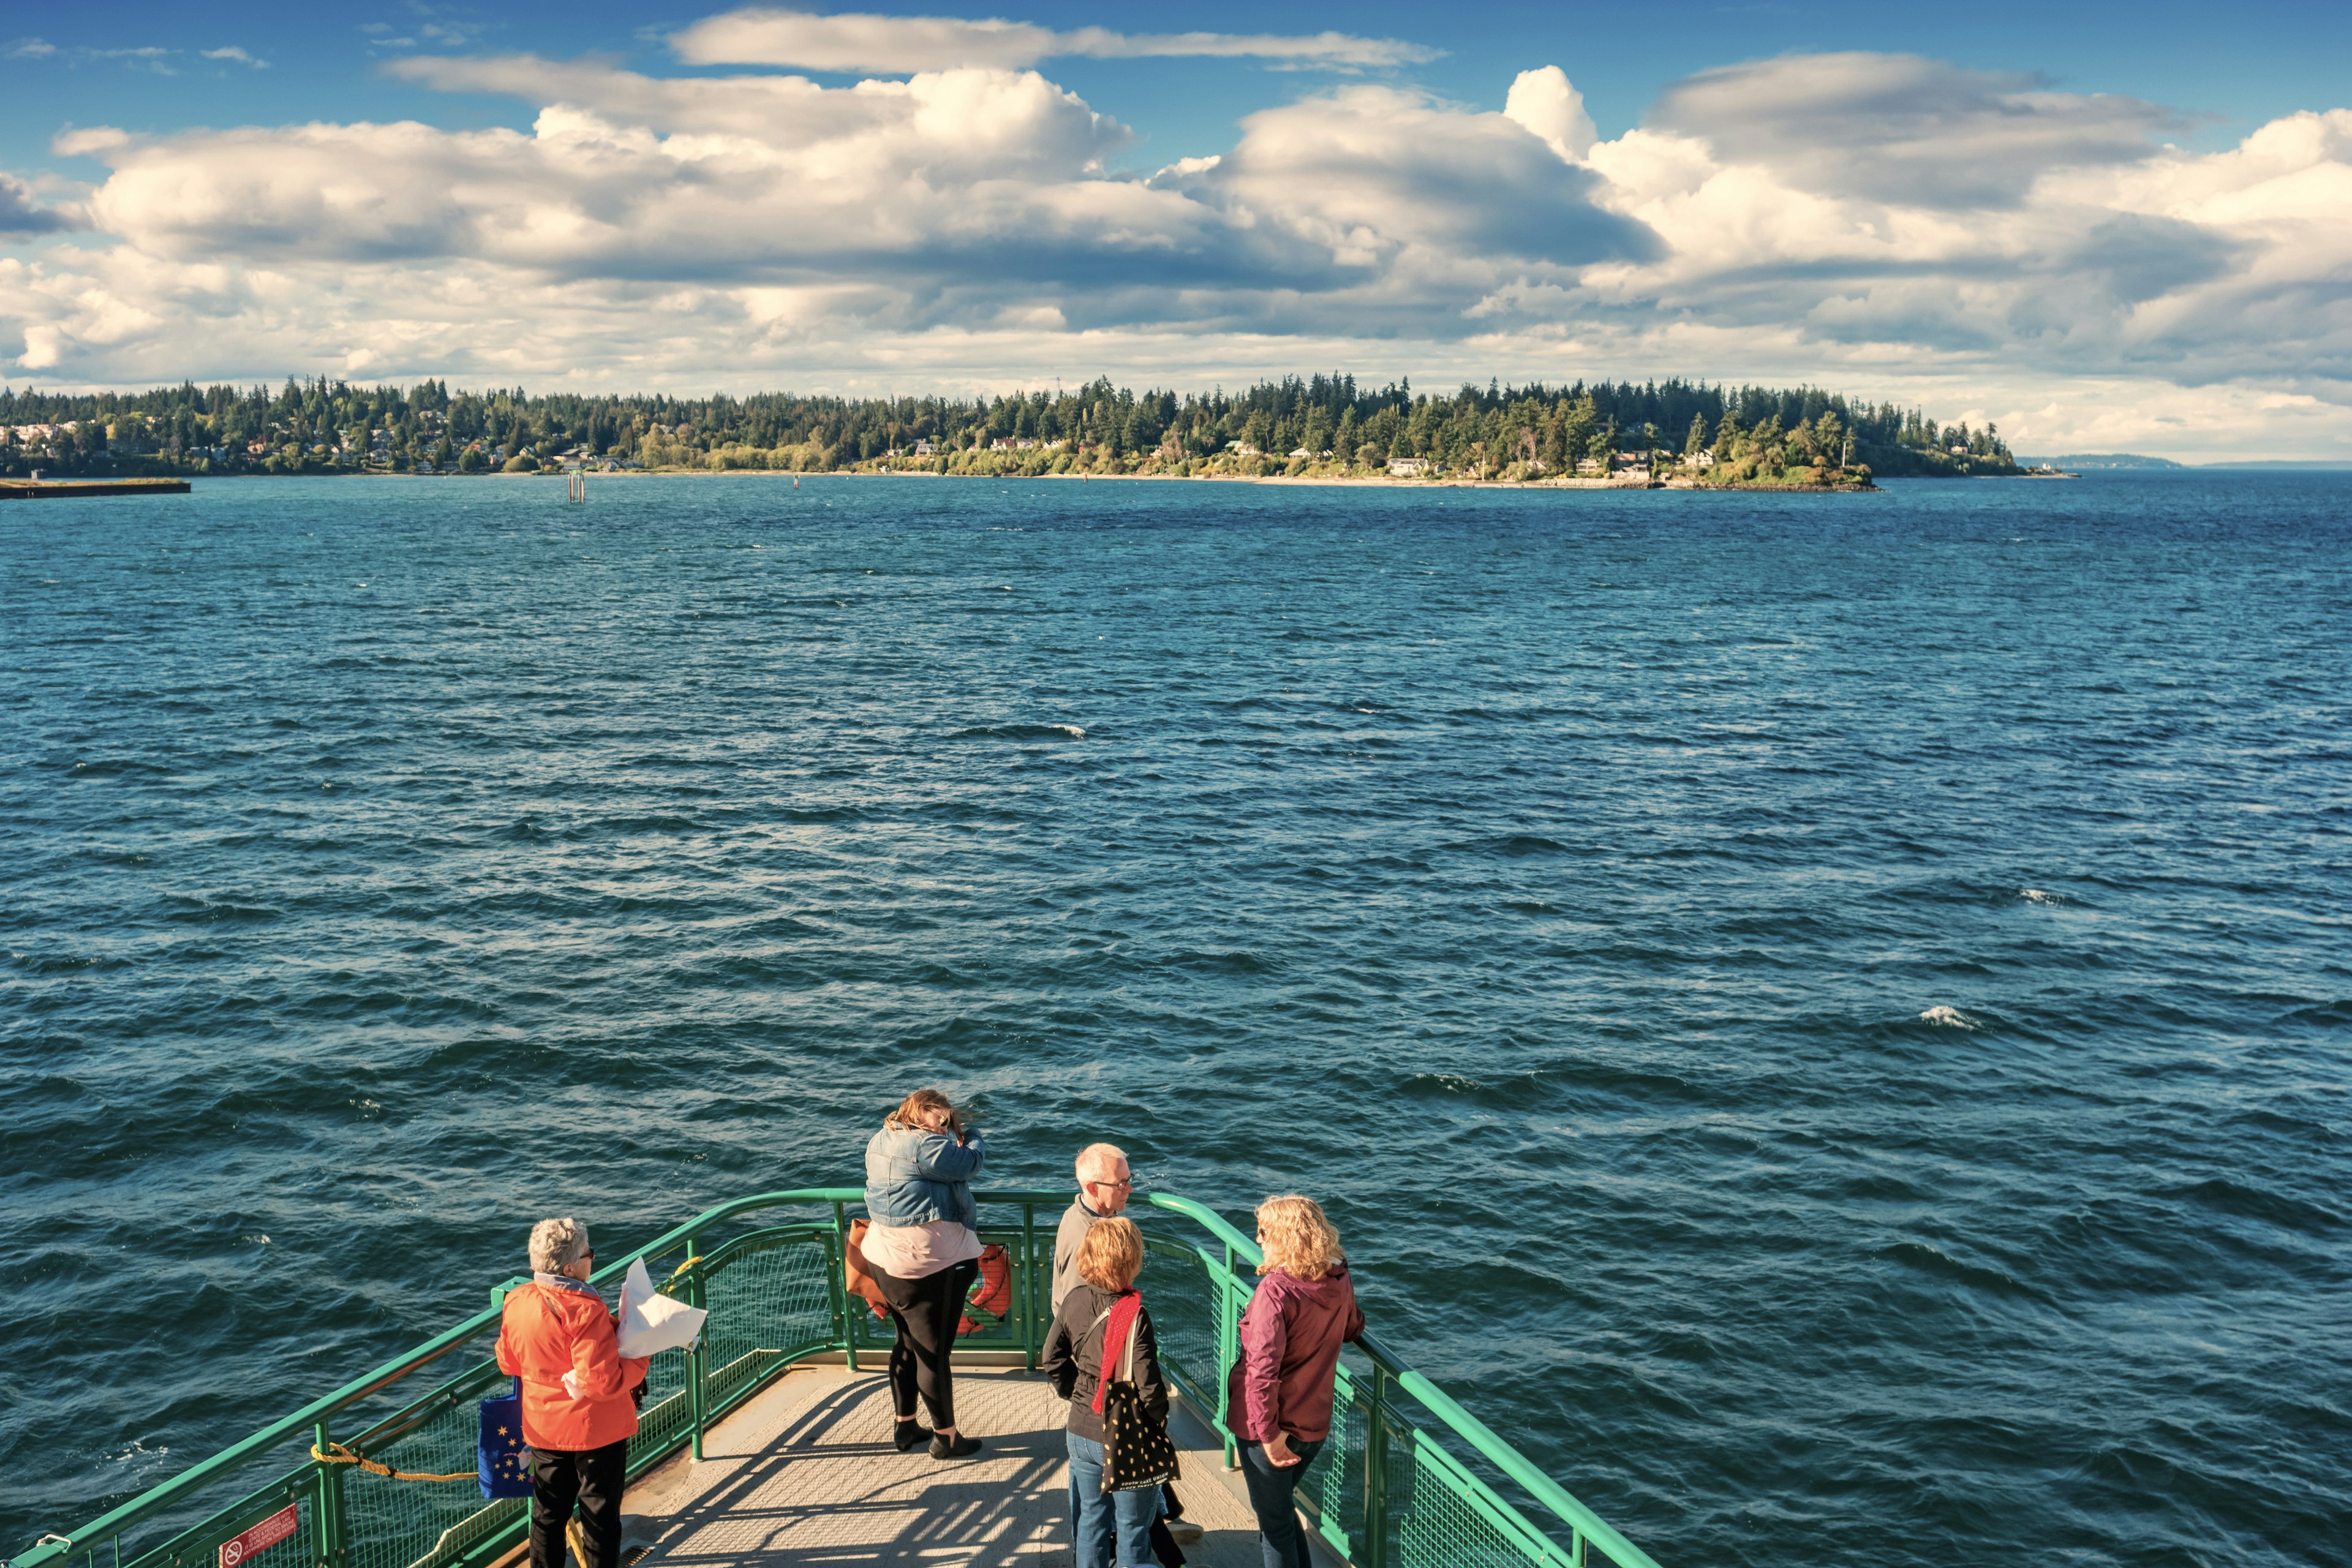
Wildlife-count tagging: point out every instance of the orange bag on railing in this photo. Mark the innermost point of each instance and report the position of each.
(856, 1275)
(992, 1296)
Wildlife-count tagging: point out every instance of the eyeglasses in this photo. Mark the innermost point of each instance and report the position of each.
(1122, 1181)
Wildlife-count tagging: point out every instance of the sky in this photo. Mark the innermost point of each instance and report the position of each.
(2103, 228)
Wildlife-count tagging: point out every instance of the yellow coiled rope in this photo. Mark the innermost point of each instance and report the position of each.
(337, 1454)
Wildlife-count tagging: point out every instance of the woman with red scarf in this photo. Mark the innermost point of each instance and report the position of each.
(1099, 1320)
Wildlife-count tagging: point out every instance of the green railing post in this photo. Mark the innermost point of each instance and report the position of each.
(852, 1319)
(836, 1282)
(697, 1356)
(1228, 1350)
(1376, 1473)
(1029, 1286)
(331, 1546)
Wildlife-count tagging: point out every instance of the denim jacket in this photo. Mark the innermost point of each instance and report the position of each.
(913, 1178)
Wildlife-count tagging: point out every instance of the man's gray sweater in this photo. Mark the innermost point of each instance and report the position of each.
(1075, 1221)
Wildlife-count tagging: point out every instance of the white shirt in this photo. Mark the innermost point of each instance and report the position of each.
(912, 1251)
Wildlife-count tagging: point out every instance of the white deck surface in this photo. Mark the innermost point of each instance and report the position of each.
(806, 1474)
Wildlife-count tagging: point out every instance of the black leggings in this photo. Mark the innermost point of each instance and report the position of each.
(925, 1313)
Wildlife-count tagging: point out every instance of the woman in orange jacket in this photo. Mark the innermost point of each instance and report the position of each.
(578, 1411)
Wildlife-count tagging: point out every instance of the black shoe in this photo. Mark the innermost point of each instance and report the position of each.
(963, 1447)
(911, 1433)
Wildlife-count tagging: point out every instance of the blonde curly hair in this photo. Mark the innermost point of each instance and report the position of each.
(1297, 1238)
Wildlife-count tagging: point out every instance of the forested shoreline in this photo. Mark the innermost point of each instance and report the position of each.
(1323, 426)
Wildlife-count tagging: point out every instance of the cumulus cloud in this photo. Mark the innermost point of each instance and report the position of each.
(1903, 128)
(2163, 262)
(963, 186)
(968, 225)
(851, 41)
(1547, 103)
(993, 172)
(1374, 175)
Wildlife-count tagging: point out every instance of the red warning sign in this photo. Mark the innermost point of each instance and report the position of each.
(268, 1533)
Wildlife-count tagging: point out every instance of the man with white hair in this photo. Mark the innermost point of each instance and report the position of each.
(1104, 1184)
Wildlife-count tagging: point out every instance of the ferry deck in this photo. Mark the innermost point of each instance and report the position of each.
(766, 1443)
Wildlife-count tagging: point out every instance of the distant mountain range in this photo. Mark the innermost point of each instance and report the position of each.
(2337, 464)
(2079, 461)
(2105, 460)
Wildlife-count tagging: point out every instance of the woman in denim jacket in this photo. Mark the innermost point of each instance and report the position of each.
(924, 1254)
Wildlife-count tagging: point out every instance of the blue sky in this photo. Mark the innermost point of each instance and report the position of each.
(2102, 225)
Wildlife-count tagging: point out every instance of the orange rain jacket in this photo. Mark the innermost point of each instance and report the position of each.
(546, 1332)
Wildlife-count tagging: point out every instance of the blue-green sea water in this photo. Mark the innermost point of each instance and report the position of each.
(1826, 1019)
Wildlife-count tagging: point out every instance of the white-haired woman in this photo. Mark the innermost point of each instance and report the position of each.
(1279, 1397)
(577, 1412)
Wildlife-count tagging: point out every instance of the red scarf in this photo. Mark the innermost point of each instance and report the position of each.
(1123, 1313)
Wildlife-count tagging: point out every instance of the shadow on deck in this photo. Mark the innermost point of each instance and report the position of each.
(806, 1474)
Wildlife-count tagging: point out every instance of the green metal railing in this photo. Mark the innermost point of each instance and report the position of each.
(1407, 1480)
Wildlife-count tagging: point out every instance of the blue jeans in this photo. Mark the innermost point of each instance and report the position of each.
(1101, 1520)
(1279, 1540)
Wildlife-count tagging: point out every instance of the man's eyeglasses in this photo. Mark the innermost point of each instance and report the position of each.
(1122, 1181)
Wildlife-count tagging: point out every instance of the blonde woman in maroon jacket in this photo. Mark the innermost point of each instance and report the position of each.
(1279, 1398)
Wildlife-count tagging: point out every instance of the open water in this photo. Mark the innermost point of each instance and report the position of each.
(1826, 1019)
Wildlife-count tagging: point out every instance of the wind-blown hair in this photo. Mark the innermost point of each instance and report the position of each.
(1298, 1238)
(916, 1110)
(557, 1243)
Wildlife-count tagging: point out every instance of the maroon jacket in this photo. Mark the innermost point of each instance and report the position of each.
(1291, 1335)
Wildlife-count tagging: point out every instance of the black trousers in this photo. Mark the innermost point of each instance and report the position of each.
(592, 1477)
(925, 1313)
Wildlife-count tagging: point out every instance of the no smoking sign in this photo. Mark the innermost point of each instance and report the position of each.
(260, 1537)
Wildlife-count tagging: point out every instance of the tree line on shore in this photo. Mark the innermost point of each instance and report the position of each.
(1319, 424)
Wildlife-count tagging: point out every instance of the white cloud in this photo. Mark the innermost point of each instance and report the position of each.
(1547, 104)
(962, 227)
(28, 49)
(1902, 129)
(73, 143)
(994, 171)
(851, 42)
(231, 52)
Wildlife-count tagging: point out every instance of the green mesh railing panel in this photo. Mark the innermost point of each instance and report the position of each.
(198, 1547)
(1443, 1517)
(1334, 1485)
(1183, 1314)
(667, 1414)
(395, 1524)
(767, 1301)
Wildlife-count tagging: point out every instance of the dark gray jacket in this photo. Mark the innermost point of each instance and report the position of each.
(1072, 1361)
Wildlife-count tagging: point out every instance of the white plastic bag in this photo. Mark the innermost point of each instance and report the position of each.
(652, 1321)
